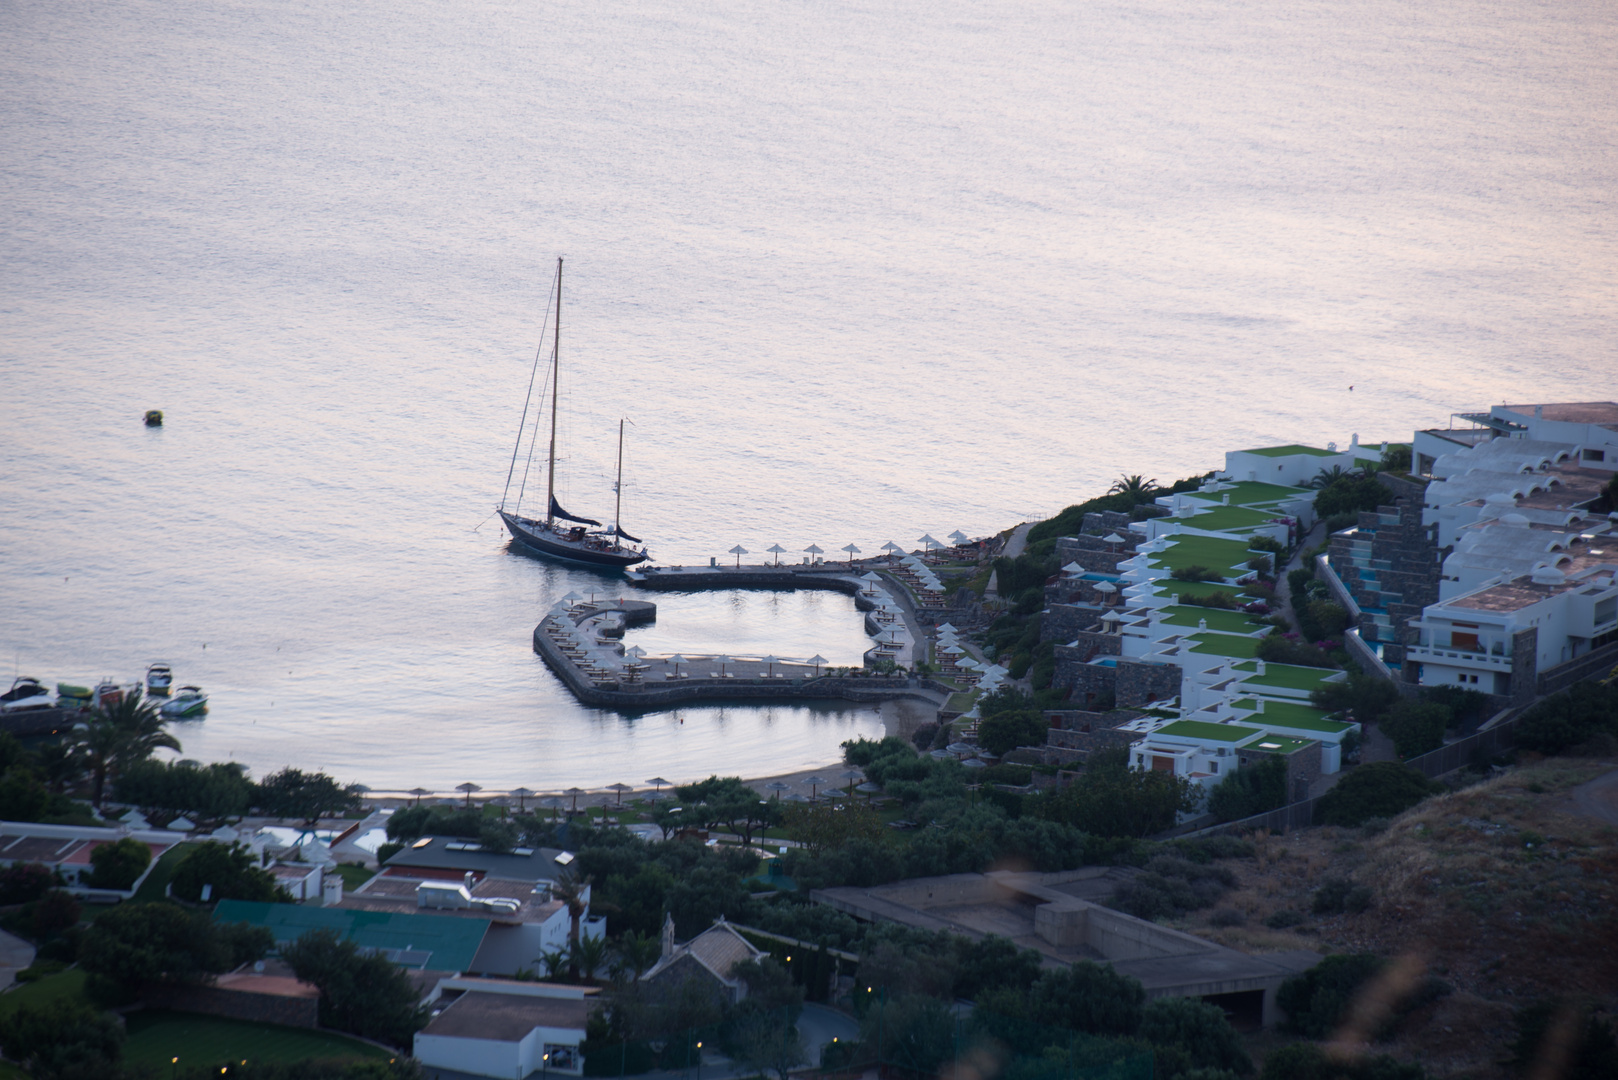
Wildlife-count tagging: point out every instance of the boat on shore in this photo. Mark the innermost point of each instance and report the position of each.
(188, 702)
(559, 534)
(25, 695)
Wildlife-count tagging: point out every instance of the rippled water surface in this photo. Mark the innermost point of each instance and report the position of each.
(855, 271)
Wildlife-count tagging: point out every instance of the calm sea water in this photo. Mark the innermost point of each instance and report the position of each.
(856, 271)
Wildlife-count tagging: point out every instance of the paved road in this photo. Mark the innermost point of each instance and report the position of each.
(1014, 547)
(1599, 798)
(15, 954)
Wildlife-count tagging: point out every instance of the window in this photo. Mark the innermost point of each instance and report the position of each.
(1595, 455)
(1213, 766)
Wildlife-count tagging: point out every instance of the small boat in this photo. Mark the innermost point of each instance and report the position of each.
(70, 696)
(159, 677)
(26, 694)
(578, 542)
(188, 702)
(108, 693)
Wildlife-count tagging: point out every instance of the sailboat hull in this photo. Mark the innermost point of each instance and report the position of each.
(535, 537)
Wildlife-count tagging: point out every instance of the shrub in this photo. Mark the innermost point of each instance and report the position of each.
(230, 869)
(22, 882)
(1587, 1040)
(1251, 789)
(1575, 716)
(1220, 599)
(1196, 572)
(1379, 789)
(55, 912)
(62, 1037)
(1280, 649)
(117, 865)
(1200, 1030)
(1307, 1061)
(1416, 726)
(1317, 1000)
(1171, 886)
(1350, 494)
(1337, 895)
(1006, 731)
(1227, 917)
(364, 994)
(1319, 620)
(1284, 919)
(1298, 580)
(388, 851)
(924, 735)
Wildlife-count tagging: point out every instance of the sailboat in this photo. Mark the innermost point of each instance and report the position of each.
(583, 541)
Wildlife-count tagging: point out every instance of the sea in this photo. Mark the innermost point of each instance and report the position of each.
(853, 272)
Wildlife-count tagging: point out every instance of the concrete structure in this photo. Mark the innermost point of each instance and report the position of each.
(303, 880)
(265, 993)
(710, 959)
(502, 1028)
(67, 848)
(1059, 915)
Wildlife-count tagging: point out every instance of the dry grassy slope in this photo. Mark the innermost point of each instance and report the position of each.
(1503, 890)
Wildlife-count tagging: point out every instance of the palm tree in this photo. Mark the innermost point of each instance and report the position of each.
(1325, 478)
(573, 890)
(554, 960)
(587, 955)
(119, 735)
(637, 952)
(1136, 487)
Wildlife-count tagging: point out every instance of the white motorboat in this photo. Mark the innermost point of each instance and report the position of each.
(188, 702)
(159, 677)
(26, 693)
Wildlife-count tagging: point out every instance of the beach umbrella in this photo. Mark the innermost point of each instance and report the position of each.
(974, 763)
(1072, 568)
(620, 789)
(927, 539)
(1106, 588)
(1113, 538)
(959, 537)
(676, 660)
(890, 547)
(815, 783)
(813, 550)
(852, 551)
(778, 787)
(776, 549)
(575, 792)
(721, 660)
(635, 651)
(572, 598)
(869, 789)
(947, 626)
(817, 660)
(953, 650)
(418, 792)
(796, 797)
(521, 794)
(468, 788)
(870, 577)
(659, 784)
(738, 551)
(552, 805)
(851, 775)
(771, 661)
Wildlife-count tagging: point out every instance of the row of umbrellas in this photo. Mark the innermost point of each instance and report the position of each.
(927, 541)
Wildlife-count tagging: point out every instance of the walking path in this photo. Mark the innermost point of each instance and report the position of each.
(1015, 544)
(15, 954)
(1598, 798)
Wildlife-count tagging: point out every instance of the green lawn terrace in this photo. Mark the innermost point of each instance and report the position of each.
(1228, 558)
(1288, 716)
(1286, 680)
(1291, 450)
(1217, 620)
(1226, 645)
(1203, 731)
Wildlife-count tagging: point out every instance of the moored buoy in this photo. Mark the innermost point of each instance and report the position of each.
(154, 417)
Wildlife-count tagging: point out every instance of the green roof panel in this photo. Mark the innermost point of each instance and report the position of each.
(449, 942)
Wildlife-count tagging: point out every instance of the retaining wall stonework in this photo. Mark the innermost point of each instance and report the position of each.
(236, 1004)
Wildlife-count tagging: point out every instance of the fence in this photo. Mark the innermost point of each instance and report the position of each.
(912, 1038)
(1479, 746)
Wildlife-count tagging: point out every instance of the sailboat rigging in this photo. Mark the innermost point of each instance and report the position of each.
(584, 541)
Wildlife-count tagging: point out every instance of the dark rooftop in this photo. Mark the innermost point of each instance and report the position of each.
(506, 1017)
(455, 853)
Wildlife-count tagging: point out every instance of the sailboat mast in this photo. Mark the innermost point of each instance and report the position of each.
(618, 489)
(556, 371)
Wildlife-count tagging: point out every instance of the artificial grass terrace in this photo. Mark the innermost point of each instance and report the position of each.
(1291, 451)
(1229, 519)
(1170, 587)
(1201, 729)
(1230, 645)
(1259, 493)
(1219, 555)
(1290, 715)
(1282, 744)
(1225, 622)
(1287, 676)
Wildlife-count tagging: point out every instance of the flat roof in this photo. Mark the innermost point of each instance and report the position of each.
(1604, 413)
(459, 853)
(1201, 729)
(1255, 492)
(440, 942)
(1290, 715)
(1271, 743)
(1222, 518)
(1221, 619)
(1292, 450)
(1286, 676)
(481, 1014)
(1230, 645)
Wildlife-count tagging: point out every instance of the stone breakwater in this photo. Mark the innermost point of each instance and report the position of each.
(583, 646)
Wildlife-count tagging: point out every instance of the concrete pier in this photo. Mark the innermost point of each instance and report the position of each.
(583, 646)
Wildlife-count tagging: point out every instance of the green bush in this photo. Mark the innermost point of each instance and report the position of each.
(1196, 572)
(1589, 1043)
(24, 882)
(1251, 789)
(1379, 789)
(1200, 1030)
(1170, 886)
(117, 865)
(1004, 732)
(62, 1038)
(1277, 649)
(1351, 494)
(1284, 919)
(1307, 1061)
(1585, 713)
(1317, 1001)
(232, 871)
(1416, 726)
(388, 851)
(1336, 895)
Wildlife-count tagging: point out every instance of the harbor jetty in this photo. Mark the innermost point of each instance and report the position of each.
(582, 642)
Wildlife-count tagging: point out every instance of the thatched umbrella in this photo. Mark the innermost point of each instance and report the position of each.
(658, 784)
(852, 551)
(777, 549)
(620, 789)
(575, 792)
(521, 794)
(418, 792)
(813, 550)
(468, 788)
(817, 660)
(815, 784)
(738, 551)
